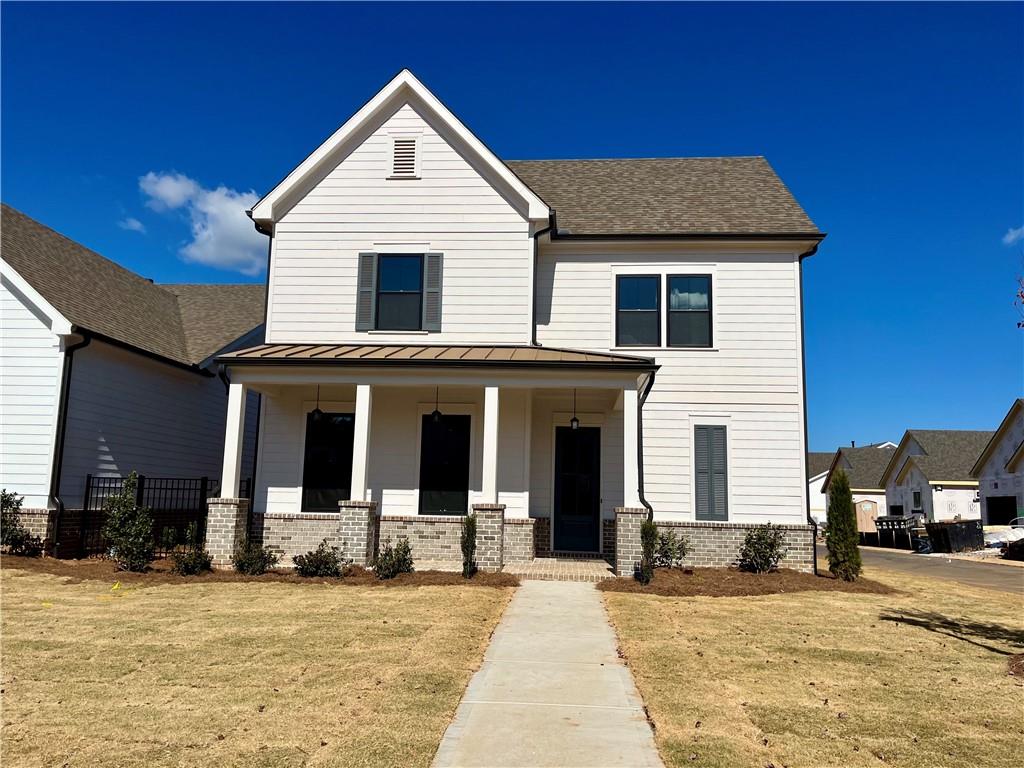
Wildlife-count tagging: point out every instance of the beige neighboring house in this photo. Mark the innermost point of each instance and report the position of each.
(863, 466)
(1000, 470)
(104, 372)
(929, 474)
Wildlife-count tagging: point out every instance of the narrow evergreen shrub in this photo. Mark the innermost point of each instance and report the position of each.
(763, 547)
(322, 561)
(13, 533)
(393, 560)
(648, 546)
(252, 559)
(841, 537)
(670, 550)
(128, 528)
(468, 542)
(194, 559)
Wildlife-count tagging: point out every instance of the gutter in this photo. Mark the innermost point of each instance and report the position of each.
(62, 418)
(640, 444)
(803, 375)
(536, 260)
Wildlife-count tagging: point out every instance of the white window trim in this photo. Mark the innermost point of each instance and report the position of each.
(416, 136)
(662, 270)
(327, 406)
(454, 409)
(698, 419)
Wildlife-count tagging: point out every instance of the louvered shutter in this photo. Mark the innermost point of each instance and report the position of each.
(710, 463)
(403, 163)
(719, 496)
(432, 268)
(366, 290)
(702, 463)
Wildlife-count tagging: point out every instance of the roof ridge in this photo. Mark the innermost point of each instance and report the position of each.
(634, 159)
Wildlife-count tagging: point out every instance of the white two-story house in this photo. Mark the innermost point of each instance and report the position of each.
(563, 346)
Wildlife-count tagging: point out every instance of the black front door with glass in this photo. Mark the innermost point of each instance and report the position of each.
(327, 466)
(444, 465)
(577, 524)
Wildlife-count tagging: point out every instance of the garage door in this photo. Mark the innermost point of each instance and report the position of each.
(1001, 509)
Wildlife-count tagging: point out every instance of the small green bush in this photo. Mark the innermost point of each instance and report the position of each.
(841, 536)
(128, 528)
(648, 547)
(322, 561)
(194, 559)
(468, 542)
(252, 559)
(670, 550)
(394, 560)
(763, 548)
(13, 533)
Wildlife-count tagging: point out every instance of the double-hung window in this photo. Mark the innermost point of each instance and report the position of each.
(637, 311)
(400, 292)
(689, 310)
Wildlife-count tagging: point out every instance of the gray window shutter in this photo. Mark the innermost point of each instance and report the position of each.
(432, 269)
(719, 497)
(366, 290)
(710, 462)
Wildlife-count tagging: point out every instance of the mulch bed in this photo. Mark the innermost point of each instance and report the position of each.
(732, 582)
(96, 569)
(1015, 665)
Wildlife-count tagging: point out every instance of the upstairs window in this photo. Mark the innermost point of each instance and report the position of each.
(637, 311)
(400, 292)
(689, 310)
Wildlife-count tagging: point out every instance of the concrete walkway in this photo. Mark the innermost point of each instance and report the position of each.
(552, 690)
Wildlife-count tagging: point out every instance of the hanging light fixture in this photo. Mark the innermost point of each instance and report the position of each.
(317, 413)
(574, 423)
(436, 414)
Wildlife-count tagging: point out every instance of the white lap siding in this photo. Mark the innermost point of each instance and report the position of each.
(450, 209)
(750, 380)
(30, 369)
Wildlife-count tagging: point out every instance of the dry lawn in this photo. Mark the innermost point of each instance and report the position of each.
(824, 678)
(234, 674)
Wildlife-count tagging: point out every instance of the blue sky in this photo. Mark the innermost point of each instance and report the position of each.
(900, 128)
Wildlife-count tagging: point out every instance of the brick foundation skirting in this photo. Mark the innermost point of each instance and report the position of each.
(518, 544)
(608, 538)
(296, 533)
(718, 545)
(542, 537)
(431, 537)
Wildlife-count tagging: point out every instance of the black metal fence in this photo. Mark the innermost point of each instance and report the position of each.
(176, 503)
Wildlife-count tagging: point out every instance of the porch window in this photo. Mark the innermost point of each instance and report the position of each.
(444, 465)
(400, 292)
(327, 461)
(637, 311)
(689, 310)
(710, 463)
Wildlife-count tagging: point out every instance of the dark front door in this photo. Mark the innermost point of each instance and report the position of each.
(444, 465)
(577, 489)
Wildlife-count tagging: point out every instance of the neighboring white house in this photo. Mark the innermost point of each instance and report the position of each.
(929, 474)
(1000, 470)
(104, 372)
(577, 341)
(863, 467)
(817, 467)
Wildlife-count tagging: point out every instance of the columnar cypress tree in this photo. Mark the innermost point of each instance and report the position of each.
(841, 535)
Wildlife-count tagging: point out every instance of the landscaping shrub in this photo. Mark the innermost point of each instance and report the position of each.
(648, 546)
(322, 561)
(670, 550)
(252, 559)
(468, 542)
(394, 560)
(763, 547)
(194, 559)
(13, 533)
(128, 528)
(841, 537)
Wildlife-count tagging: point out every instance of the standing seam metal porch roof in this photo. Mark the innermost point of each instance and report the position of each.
(408, 355)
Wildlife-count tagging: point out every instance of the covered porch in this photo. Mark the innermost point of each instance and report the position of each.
(363, 445)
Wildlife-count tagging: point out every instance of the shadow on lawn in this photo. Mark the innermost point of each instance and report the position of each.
(962, 629)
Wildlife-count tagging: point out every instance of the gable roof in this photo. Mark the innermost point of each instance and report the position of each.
(184, 324)
(866, 466)
(403, 88)
(818, 463)
(948, 455)
(667, 196)
(1001, 430)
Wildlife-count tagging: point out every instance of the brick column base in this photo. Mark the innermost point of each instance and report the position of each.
(628, 549)
(226, 521)
(490, 536)
(357, 530)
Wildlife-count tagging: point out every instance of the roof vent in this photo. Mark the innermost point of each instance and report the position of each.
(404, 158)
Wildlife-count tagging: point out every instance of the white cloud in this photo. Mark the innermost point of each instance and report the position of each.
(132, 225)
(1013, 235)
(222, 235)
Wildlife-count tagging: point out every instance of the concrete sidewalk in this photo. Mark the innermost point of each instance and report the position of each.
(552, 690)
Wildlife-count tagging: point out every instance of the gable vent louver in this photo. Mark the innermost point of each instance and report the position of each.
(403, 163)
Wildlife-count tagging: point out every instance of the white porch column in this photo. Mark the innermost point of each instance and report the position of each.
(361, 442)
(630, 440)
(233, 429)
(490, 468)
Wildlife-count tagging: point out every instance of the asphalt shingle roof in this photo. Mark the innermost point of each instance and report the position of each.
(866, 465)
(818, 463)
(665, 196)
(949, 453)
(182, 323)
